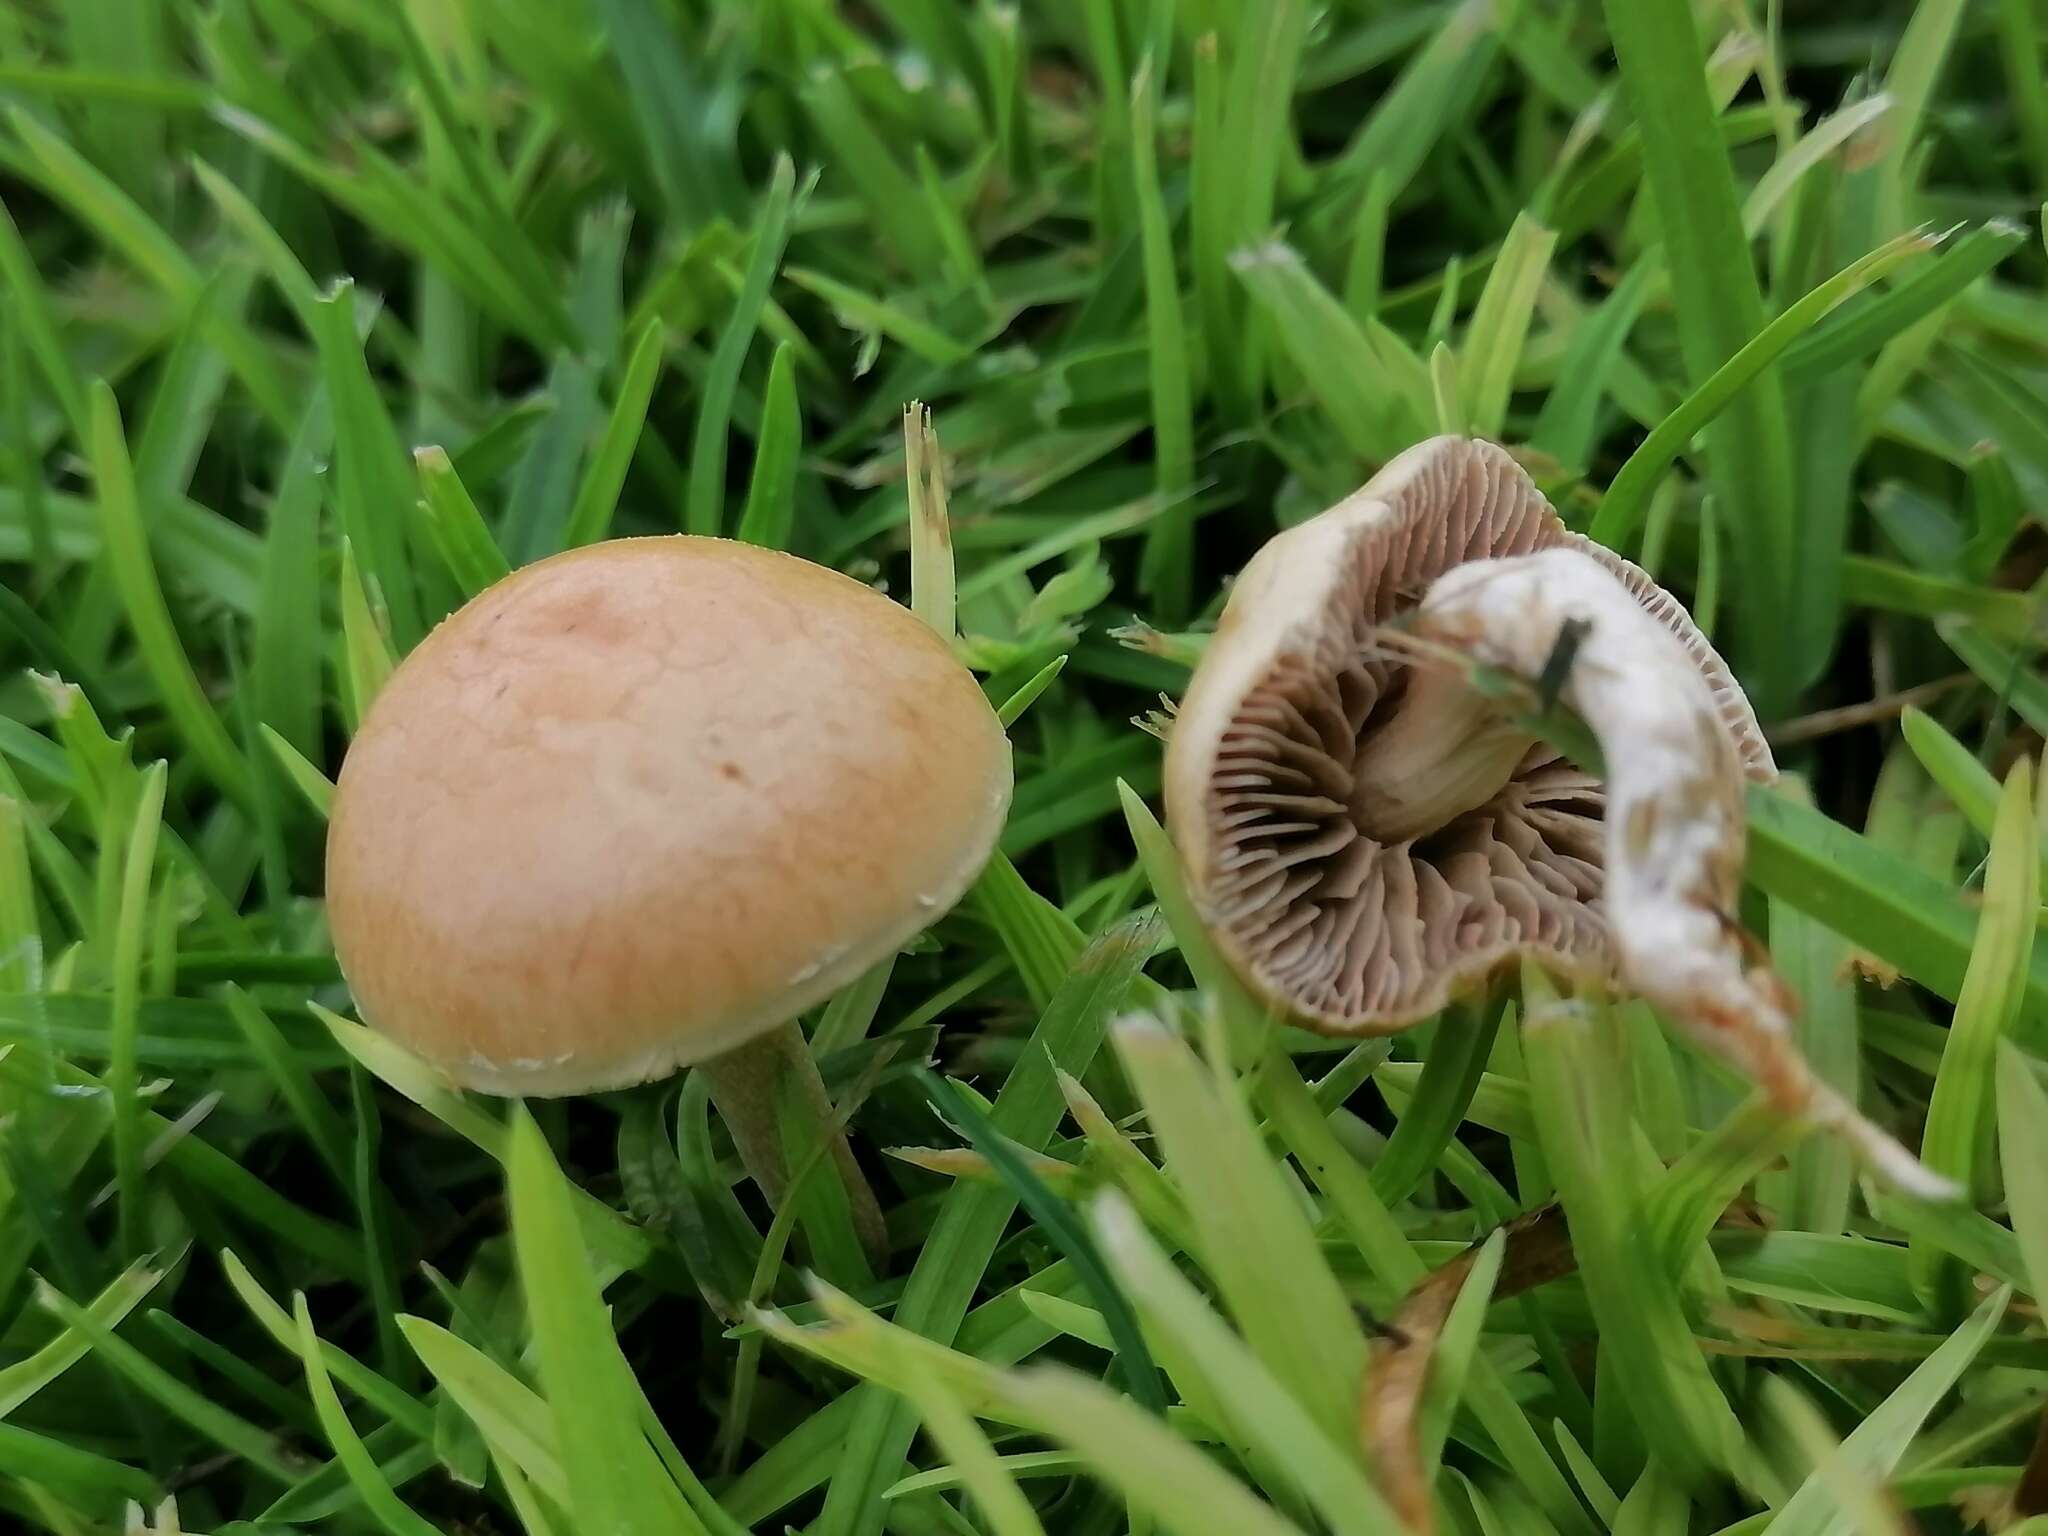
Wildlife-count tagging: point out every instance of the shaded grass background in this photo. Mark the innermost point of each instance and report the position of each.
(318, 315)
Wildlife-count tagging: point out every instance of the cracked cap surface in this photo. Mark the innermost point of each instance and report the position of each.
(642, 801)
(1343, 932)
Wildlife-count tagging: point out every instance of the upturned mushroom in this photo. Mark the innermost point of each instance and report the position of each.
(1368, 835)
(638, 806)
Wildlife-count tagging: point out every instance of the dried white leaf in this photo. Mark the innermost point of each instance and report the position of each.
(1675, 822)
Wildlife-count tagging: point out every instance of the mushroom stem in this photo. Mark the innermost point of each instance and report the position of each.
(1445, 751)
(1674, 825)
(753, 1085)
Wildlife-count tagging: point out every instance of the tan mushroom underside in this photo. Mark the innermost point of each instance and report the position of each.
(1345, 933)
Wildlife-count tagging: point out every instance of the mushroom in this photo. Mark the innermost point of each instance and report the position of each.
(1368, 835)
(638, 806)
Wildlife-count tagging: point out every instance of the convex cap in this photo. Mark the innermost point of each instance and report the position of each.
(642, 802)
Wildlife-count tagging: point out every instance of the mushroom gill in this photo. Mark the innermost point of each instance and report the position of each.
(1367, 837)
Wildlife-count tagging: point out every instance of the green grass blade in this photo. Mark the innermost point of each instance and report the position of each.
(1865, 1507)
(1114, 216)
(138, 868)
(21, 442)
(2014, 683)
(1011, 710)
(901, 219)
(1262, 1413)
(32, 312)
(1136, 1454)
(1873, 583)
(1720, 311)
(406, 1074)
(163, 654)
(1410, 117)
(1587, 1138)
(394, 1402)
(1816, 964)
(1969, 785)
(1166, 573)
(1431, 1118)
(310, 782)
(614, 1479)
(125, 225)
(956, 241)
(1447, 399)
(1500, 325)
(933, 596)
(971, 1220)
(1567, 425)
(286, 650)
(458, 528)
(325, 1493)
(1958, 1137)
(323, 1127)
(1682, 1207)
(1876, 899)
(1824, 139)
(1858, 329)
(182, 1402)
(864, 312)
(23, 1378)
(2020, 47)
(1917, 62)
(975, 1463)
(1211, 216)
(1628, 496)
(543, 484)
(1266, 48)
(1134, 1361)
(706, 510)
(103, 204)
(1456, 1348)
(1253, 1241)
(479, 176)
(1364, 272)
(374, 1218)
(605, 475)
(769, 517)
(247, 220)
(1996, 513)
(383, 1503)
(674, 106)
(2023, 1150)
(1374, 391)
(368, 464)
(45, 1462)
(513, 1419)
(21, 932)
(50, 652)
(366, 653)
(1876, 1446)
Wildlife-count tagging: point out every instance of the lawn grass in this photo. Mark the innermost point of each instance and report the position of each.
(317, 316)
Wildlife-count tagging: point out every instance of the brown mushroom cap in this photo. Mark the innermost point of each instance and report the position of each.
(641, 802)
(1345, 932)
